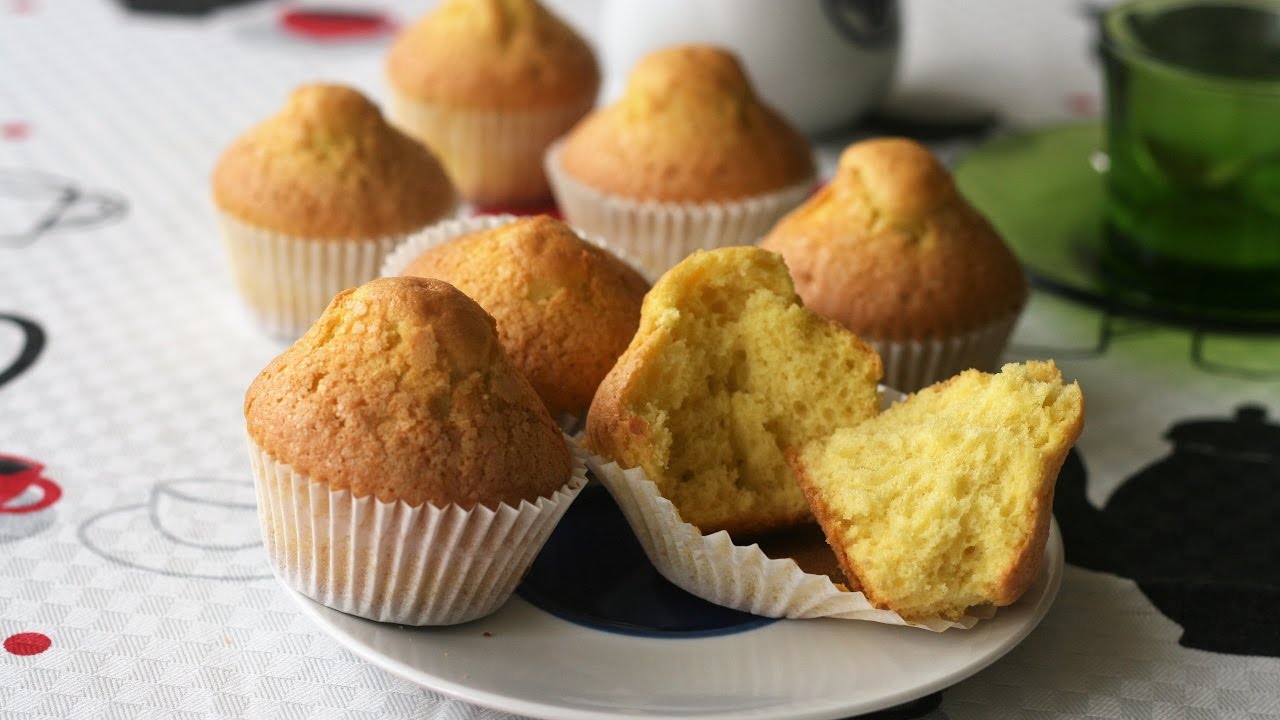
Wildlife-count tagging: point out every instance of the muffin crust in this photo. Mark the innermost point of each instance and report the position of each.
(401, 390)
(491, 55)
(892, 250)
(329, 167)
(689, 128)
(565, 308)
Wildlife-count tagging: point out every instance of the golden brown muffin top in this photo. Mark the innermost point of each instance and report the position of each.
(402, 391)
(688, 128)
(328, 166)
(566, 309)
(893, 251)
(493, 55)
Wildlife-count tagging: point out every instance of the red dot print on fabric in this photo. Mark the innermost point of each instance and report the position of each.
(27, 643)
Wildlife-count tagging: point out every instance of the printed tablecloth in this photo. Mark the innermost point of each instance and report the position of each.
(124, 356)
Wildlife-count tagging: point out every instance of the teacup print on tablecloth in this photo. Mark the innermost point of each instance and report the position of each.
(28, 348)
(34, 204)
(27, 498)
(1195, 530)
(194, 527)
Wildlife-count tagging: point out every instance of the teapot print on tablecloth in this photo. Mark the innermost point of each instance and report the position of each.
(1197, 530)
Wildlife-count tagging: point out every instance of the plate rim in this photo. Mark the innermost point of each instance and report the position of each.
(1052, 569)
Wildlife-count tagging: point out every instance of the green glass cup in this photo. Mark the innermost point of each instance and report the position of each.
(1193, 145)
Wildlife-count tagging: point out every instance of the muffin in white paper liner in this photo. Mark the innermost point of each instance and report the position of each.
(414, 245)
(737, 576)
(661, 234)
(494, 157)
(393, 562)
(910, 365)
(286, 282)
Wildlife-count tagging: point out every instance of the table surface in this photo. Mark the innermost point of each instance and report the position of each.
(128, 356)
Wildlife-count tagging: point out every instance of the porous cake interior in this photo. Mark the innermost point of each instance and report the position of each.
(941, 503)
(744, 374)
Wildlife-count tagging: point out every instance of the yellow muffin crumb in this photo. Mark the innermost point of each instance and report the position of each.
(726, 372)
(943, 501)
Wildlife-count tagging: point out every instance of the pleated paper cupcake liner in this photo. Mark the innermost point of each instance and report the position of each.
(286, 282)
(913, 364)
(394, 562)
(741, 577)
(661, 234)
(493, 157)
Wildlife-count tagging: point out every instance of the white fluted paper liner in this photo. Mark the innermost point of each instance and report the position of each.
(494, 157)
(661, 234)
(913, 364)
(286, 282)
(736, 576)
(394, 562)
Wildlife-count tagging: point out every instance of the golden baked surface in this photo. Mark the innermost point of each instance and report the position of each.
(942, 502)
(688, 128)
(493, 55)
(892, 250)
(565, 308)
(328, 166)
(727, 371)
(401, 390)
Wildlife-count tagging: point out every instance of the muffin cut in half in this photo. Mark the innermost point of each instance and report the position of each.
(726, 372)
(943, 502)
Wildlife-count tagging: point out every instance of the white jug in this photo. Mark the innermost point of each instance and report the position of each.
(822, 63)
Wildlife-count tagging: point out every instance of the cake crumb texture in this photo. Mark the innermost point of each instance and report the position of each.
(943, 502)
(401, 390)
(726, 372)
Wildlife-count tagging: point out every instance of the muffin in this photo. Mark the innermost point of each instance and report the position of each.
(726, 372)
(406, 471)
(689, 158)
(488, 84)
(312, 199)
(565, 307)
(943, 502)
(891, 250)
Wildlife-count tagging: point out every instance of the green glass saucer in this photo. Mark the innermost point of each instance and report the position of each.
(1043, 193)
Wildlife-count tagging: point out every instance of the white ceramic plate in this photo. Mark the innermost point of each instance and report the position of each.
(526, 661)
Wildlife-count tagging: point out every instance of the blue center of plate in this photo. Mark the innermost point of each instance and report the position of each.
(593, 572)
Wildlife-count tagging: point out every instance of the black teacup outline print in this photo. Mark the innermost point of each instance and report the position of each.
(32, 345)
(151, 508)
(71, 208)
